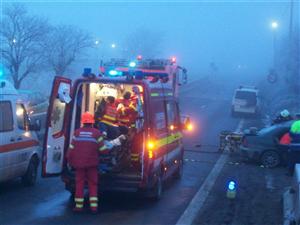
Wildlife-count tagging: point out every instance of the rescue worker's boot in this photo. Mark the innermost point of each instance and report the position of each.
(78, 205)
(94, 205)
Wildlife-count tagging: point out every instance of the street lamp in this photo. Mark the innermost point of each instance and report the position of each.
(14, 41)
(274, 26)
(113, 45)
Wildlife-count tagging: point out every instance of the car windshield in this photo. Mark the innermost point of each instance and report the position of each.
(249, 96)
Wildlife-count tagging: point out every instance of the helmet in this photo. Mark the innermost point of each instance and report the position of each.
(285, 113)
(87, 118)
(295, 128)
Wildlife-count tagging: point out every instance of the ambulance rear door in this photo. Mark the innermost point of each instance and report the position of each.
(59, 111)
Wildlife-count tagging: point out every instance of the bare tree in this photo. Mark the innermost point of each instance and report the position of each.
(21, 37)
(63, 47)
(143, 42)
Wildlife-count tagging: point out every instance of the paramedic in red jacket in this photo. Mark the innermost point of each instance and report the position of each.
(83, 155)
(127, 111)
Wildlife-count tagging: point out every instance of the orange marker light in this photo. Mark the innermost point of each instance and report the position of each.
(172, 127)
(190, 127)
(150, 154)
(150, 145)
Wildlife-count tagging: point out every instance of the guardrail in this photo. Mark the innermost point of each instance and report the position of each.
(296, 198)
(291, 200)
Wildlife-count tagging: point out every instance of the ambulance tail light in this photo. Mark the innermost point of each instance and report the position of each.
(150, 147)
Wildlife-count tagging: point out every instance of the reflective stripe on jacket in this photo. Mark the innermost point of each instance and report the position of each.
(128, 113)
(110, 115)
(85, 147)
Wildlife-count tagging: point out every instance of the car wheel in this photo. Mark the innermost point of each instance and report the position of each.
(29, 179)
(270, 159)
(179, 171)
(156, 192)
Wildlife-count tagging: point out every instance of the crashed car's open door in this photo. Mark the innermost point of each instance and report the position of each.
(55, 137)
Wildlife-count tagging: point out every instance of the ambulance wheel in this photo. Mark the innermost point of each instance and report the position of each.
(30, 176)
(157, 190)
(179, 171)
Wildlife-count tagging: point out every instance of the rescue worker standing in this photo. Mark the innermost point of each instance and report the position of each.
(294, 147)
(83, 155)
(284, 116)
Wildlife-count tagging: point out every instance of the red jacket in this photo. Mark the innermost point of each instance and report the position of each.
(110, 116)
(127, 114)
(85, 147)
(285, 139)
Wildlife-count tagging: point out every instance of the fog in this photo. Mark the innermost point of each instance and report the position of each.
(234, 36)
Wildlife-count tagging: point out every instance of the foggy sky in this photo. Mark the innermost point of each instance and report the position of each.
(235, 35)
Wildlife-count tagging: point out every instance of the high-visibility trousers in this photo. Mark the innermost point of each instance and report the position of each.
(89, 175)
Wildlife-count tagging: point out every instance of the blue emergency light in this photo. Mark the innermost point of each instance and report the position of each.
(231, 186)
(87, 73)
(132, 64)
(115, 73)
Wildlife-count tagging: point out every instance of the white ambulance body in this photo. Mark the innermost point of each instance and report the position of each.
(19, 146)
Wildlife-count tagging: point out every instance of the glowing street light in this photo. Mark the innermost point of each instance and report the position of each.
(14, 41)
(97, 42)
(274, 25)
(113, 45)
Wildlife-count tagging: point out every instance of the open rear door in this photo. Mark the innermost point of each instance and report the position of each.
(57, 119)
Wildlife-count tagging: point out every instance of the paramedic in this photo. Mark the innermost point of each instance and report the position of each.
(127, 111)
(83, 156)
(109, 120)
(284, 116)
(294, 147)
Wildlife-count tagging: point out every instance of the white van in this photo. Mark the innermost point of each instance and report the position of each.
(245, 101)
(19, 146)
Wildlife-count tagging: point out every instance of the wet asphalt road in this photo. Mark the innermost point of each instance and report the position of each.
(48, 202)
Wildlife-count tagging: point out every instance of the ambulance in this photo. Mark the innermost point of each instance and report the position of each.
(19, 147)
(153, 154)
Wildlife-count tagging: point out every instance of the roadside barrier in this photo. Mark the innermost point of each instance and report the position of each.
(296, 188)
(291, 200)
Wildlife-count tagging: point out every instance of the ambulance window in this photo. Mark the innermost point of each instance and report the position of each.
(22, 117)
(172, 113)
(57, 116)
(6, 116)
(160, 120)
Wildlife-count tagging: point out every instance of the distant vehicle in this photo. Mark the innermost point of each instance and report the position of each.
(245, 101)
(19, 146)
(263, 145)
(155, 151)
